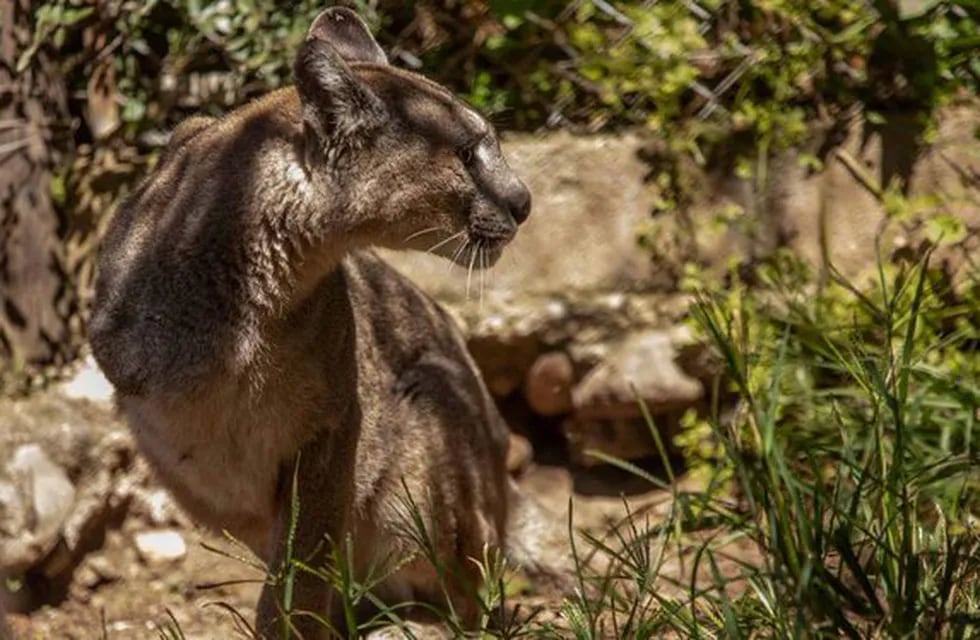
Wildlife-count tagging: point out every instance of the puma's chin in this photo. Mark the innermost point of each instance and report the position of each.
(484, 256)
(479, 250)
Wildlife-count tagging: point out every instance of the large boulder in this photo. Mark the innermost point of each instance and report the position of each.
(641, 369)
(36, 498)
(834, 200)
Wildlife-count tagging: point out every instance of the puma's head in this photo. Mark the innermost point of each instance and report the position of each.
(421, 169)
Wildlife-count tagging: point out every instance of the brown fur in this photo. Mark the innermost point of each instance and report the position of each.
(249, 331)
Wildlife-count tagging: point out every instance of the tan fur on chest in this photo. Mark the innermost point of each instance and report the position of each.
(222, 450)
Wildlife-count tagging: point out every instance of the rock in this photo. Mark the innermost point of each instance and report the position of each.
(18, 627)
(417, 630)
(833, 216)
(622, 438)
(74, 463)
(160, 546)
(548, 386)
(608, 417)
(641, 367)
(68, 430)
(503, 361)
(95, 571)
(35, 501)
(88, 383)
(157, 508)
(106, 492)
(519, 454)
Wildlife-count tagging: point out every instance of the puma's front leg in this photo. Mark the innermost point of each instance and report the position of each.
(323, 486)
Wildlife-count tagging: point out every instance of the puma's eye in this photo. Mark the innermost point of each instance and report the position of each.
(467, 153)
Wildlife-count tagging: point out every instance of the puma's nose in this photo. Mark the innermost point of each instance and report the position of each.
(520, 204)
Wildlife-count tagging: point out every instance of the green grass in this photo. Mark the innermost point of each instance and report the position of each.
(850, 460)
(837, 498)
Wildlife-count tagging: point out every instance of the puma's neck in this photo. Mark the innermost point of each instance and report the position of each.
(304, 227)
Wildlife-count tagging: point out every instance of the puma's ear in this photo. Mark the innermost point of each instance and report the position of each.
(337, 106)
(346, 32)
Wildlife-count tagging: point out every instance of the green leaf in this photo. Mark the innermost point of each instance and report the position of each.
(874, 117)
(945, 229)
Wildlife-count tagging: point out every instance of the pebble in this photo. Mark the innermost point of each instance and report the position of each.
(160, 546)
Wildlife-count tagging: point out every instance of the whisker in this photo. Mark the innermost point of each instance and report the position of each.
(421, 233)
(485, 264)
(469, 270)
(445, 241)
(457, 253)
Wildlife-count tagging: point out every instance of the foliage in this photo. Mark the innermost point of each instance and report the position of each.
(853, 453)
(821, 333)
(768, 64)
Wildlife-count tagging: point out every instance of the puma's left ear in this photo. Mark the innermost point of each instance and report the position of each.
(338, 108)
(348, 35)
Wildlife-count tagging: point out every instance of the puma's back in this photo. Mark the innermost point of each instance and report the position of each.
(258, 346)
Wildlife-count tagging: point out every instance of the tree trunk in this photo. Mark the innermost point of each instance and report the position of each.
(37, 298)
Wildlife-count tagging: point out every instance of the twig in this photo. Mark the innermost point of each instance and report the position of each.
(859, 173)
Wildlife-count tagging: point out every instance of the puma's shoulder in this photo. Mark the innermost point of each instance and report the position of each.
(189, 128)
(248, 128)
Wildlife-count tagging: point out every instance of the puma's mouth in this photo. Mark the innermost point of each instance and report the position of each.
(483, 248)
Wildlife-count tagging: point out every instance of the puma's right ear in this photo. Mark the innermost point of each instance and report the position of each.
(348, 35)
(337, 106)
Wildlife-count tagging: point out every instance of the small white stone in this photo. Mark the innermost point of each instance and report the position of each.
(556, 310)
(160, 507)
(89, 384)
(682, 336)
(160, 546)
(615, 301)
(491, 325)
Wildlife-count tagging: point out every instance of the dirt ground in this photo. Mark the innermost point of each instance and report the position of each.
(116, 594)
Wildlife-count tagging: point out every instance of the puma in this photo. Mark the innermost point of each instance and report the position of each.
(256, 343)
